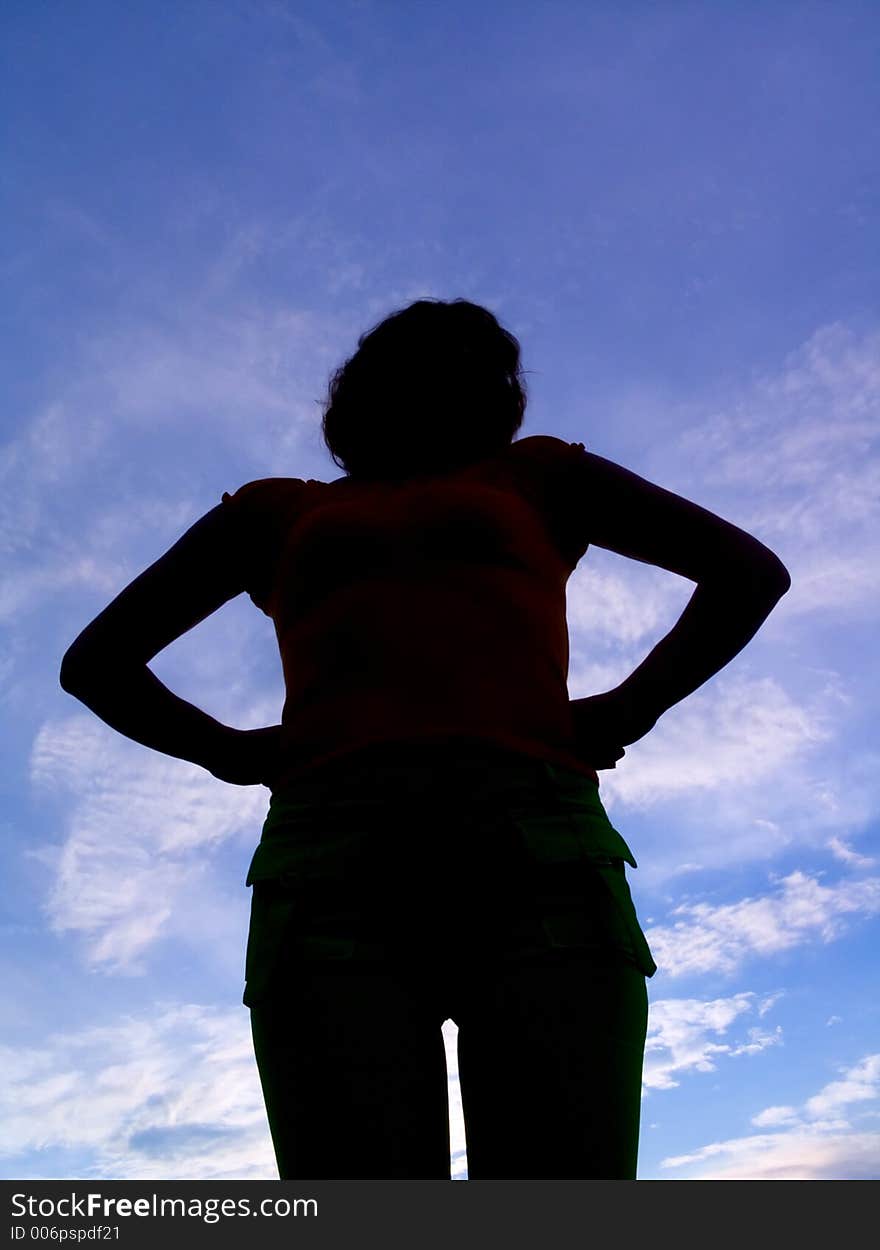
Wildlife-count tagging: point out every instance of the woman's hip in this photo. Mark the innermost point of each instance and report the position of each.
(446, 880)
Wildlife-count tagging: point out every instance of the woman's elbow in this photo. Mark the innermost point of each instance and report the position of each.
(757, 574)
(769, 580)
(69, 677)
(778, 576)
(77, 670)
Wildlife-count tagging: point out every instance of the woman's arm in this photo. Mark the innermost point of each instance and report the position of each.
(722, 615)
(106, 666)
(134, 701)
(739, 582)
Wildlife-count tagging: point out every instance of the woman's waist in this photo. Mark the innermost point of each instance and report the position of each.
(414, 763)
(413, 805)
(414, 689)
(436, 777)
(387, 756)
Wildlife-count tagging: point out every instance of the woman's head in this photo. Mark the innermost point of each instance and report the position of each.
(433, 386)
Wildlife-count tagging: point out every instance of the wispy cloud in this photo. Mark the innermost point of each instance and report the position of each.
(841, 851)
(681, 1033)
(795, 455)
(743, 770)
(737, 731)
(765, 761)
(617, 601)
(245, 379)
(860, 1083)
(802, 1154)
(720, 938)
(168, 1094)
(138, 841)
(172, 1092)
(818, 1142)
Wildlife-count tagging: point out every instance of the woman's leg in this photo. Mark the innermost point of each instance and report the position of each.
(550, 1064)
(353, 1070)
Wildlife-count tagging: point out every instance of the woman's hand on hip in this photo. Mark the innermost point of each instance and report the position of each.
(248, 757)
(604, 724)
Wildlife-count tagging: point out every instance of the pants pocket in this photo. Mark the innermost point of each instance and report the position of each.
(580, 888)
(613, 876)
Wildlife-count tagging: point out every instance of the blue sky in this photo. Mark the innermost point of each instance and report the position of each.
(674, 206)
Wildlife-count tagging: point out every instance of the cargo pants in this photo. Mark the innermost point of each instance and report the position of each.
(406, 887)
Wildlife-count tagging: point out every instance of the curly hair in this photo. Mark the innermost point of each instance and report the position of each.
(436, 385)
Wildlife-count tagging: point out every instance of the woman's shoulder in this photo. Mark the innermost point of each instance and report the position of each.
(547, 460)
(546, 448)
(266, 493)
(271, 485)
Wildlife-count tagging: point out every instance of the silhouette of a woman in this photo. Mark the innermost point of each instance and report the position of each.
(435, 845)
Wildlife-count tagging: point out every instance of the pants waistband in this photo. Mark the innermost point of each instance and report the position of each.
(413, 766)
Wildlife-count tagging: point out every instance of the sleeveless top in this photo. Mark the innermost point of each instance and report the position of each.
(425, 610)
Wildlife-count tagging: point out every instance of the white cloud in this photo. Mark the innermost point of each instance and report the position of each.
(816, 1143)
(680, 1036)
(771, 1117)
(749, 765)
(250, 376)
(769, 1001)
(60, 568)
(840, 581)
(759, 1040)
(742, 771)
(841, 851)
(738, 731)
(140, 833)
(796, 457)
(798, 1155)
(212, 368)
(860, 1083)
(169, 1095)
(614, 599)
(720, 938)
